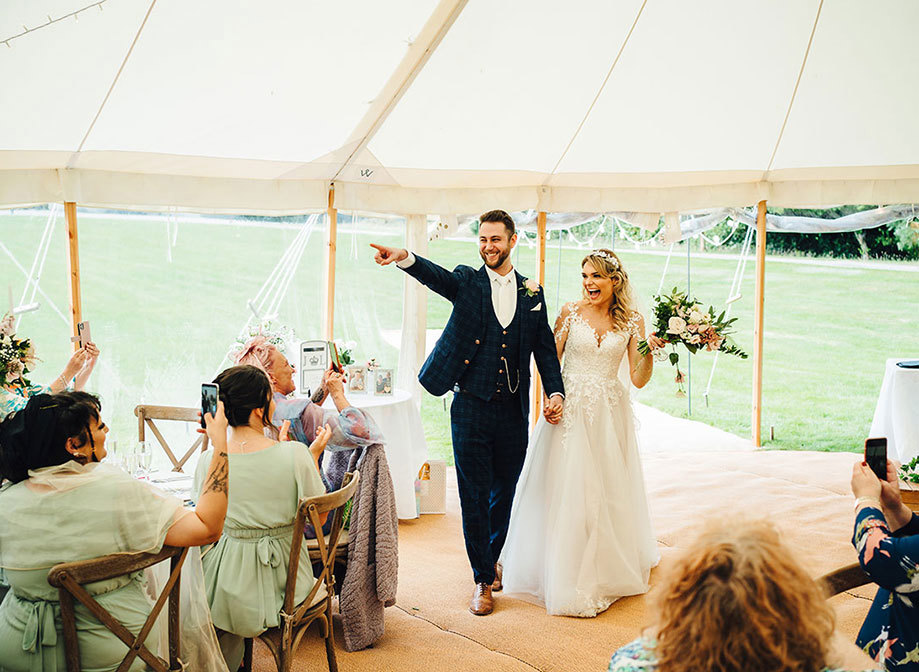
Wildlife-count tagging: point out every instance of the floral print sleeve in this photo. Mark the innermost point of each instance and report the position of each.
(636, 655)
(887, 559)
(11, 402)
(890, 633)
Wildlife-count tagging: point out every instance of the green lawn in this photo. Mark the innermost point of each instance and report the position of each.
(164, 325)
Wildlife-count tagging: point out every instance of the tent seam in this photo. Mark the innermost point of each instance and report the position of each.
(599, 93)
(794, 93)
(423, 59)
(108, 94)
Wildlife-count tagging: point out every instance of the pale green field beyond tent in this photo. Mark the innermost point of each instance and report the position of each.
(164, 308)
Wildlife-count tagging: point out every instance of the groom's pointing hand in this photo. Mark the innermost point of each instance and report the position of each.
(387, 255)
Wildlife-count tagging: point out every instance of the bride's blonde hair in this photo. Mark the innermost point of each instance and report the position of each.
(608, 264)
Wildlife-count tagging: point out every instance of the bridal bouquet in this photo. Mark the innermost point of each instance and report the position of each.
(682, 320)
(17, 356)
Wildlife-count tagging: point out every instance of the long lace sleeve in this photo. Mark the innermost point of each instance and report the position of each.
(562, 324)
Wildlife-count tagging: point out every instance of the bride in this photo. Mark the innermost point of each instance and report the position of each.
(580, 532)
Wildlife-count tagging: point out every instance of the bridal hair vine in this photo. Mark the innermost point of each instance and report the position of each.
(607, 256)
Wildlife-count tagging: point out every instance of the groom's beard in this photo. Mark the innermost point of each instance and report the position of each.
(497, 263)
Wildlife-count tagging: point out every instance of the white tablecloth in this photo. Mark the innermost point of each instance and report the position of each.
(897, 414)
(400, 421)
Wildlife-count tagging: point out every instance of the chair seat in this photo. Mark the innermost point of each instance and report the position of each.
(312, 545)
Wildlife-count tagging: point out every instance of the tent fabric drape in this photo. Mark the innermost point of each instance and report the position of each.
(458, 106)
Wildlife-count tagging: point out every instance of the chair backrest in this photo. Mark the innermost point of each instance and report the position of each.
(146, 415)
(845, 578)
(70, 577)
(311, 508)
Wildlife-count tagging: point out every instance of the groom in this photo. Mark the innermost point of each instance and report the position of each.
(498, 321)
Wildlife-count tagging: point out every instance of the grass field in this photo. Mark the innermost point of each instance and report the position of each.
(164, 316)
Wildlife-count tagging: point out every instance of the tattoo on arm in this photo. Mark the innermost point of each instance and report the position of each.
(218, 481)
(318, 396)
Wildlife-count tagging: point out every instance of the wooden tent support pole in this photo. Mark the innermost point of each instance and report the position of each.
(73, 269)
(328, 296)
(758, 305)
(541, 279)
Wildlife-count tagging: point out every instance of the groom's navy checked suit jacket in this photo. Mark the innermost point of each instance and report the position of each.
(455, 355)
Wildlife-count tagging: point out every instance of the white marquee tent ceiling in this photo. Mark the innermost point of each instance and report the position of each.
(419, 106)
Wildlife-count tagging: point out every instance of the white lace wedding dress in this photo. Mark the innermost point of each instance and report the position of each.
(580, 532)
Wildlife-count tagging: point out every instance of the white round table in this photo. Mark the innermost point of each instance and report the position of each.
(897, 414)
(399, 419)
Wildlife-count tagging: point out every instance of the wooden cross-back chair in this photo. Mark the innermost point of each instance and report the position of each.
(146, 415)
(296, 618)
(70, 577)
(845, 578)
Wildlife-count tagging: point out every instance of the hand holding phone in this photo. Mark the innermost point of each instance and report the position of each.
(83, 334)
(876, 456)
(210, 392)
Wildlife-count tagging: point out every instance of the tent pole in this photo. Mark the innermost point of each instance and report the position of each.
(328, 294)
(73, 270)
(541, 279)
(758, 304)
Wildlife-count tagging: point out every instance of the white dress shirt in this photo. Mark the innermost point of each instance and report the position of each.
(503, 295)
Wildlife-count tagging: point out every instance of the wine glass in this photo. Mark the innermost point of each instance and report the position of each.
(144, 452)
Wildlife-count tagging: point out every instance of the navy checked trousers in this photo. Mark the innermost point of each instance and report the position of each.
(489, 447)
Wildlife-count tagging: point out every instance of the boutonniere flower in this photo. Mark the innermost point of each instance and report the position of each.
(531, 286)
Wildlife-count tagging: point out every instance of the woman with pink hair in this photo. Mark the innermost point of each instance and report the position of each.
(351, 427)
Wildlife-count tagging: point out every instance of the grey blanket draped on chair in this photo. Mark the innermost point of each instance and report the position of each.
(372, 572)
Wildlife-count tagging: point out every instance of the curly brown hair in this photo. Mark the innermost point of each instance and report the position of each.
(622, 307)
(736, 600)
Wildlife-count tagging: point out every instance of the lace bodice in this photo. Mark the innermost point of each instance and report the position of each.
(591, 363)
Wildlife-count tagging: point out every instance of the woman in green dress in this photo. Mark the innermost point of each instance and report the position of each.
(64, 506)
(245, 573)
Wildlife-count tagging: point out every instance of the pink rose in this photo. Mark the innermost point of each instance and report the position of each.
(531, 285)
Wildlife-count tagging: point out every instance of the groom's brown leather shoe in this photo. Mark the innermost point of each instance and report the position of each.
(482, 602)
(497, 586)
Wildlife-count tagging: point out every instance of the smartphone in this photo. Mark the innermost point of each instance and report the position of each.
(876, 456)
(83, 333)
(336, 359)
(209, 394)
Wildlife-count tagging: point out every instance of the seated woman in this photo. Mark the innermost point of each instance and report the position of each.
(245, 573)
(735, 601)
(64, 506)
(15, 387)
(887, 540)
(351, 427)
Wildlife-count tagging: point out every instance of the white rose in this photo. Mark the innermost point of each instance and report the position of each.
(695, 339)
(695, 317)
(14, 370)
(676, 325)
(698, 308)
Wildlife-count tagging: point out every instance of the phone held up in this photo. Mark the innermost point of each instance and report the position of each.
(209, 394)
(876, 456)
(336, 358)
(83, 335)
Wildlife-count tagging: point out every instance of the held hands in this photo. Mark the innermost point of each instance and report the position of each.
(387, 255)
(553, 409)
(890, 489)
